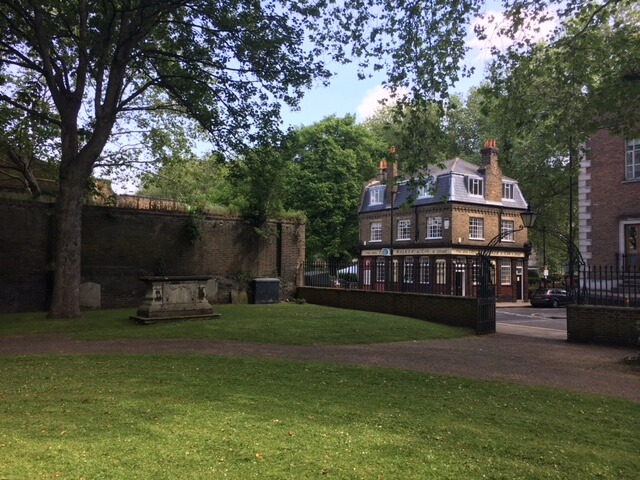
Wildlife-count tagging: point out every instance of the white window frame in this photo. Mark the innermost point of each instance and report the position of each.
(376, 227)
(424, 191)
(408, 269)
(380, 270)
(476, 187)
(476, 228)
(632, 160)
(403, 232)
(505, 272)
(375, 196)
(367, 272)
(507, 228)
(507, 190)
(441, 271)
(434, 227)
(423, 265)
(475, 271)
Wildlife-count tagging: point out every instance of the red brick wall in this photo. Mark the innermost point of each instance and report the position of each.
(603, 325)
(120, 245)
(448, 310)
(612, 198)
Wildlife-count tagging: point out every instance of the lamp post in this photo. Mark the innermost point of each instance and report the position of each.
(486, 293)
(528, 220)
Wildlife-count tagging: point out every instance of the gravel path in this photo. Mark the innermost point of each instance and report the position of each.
(527, 360)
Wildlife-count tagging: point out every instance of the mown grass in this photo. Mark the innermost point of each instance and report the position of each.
(203, 417)
(285, 323)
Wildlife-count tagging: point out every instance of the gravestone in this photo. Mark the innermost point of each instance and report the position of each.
(175, 298)
(90, 295)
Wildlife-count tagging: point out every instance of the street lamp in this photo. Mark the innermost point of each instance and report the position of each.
(486, 288)
(486, 294)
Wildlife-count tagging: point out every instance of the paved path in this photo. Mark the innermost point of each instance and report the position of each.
(532, 360)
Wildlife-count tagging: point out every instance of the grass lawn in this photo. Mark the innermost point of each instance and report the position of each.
(284, 323)
(206, 417)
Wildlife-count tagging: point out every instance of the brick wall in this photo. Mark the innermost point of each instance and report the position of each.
(603, 325)
(448, 310)
(608, 198)
(120, 245)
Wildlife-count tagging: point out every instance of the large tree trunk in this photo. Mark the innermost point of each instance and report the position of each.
(65, 301)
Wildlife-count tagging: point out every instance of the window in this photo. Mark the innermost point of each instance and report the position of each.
(505, 272)
(476, 186)
(633, 159)
(506, 230)
(424, 191)
(380, 264)
(476, 228)
(507, 191)
(404, 230)
(367, 272)
(434, 227)
(441, 271)
(475, 271)
(376, 232)
(424, 270)
(408, 270)
(375, 196)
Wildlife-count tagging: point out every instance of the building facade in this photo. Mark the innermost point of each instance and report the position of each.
(609, 201)
(425, 236)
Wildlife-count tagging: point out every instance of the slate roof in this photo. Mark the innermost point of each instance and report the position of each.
(451, 180)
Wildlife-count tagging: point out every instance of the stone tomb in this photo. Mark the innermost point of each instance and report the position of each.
(175, 298)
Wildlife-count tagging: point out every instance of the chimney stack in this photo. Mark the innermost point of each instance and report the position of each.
(489, 152)
(491, 170)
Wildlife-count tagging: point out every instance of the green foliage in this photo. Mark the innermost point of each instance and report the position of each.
(259, 180)
(572, 83)
(328, 163)
(201, 183)
(193, 228)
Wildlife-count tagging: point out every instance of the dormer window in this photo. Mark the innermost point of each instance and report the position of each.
(375, 196)
(507, 191)
(424, 191)
(476, 186)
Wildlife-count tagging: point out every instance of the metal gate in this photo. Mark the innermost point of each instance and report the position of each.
(486, 298)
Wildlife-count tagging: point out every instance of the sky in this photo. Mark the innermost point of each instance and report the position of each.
(348, 95)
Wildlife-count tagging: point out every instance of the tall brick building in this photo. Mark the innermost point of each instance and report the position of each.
(609, 200)
(426, 236)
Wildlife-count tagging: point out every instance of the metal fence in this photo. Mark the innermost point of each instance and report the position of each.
(593, 285)
(609, 286)
(385, 274)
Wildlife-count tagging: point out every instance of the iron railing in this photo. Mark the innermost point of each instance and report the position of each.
(611, 286)
(386, 274)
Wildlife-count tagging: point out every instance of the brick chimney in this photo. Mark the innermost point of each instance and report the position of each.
(491, 171)
(392, 186)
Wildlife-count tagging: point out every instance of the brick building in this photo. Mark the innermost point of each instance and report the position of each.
(425, 236)
(609, 200)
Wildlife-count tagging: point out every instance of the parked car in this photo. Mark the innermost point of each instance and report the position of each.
(549, 297)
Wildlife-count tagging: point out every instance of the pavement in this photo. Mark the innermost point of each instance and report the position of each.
(532, 359)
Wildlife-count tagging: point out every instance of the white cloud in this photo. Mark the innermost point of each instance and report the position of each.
(494, 22)
(370, 104)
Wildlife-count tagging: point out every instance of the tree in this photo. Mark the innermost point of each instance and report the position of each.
(329, 162)
(225, 63)
(581, 78)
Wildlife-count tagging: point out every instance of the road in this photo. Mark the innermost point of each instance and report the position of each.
(536, 322)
